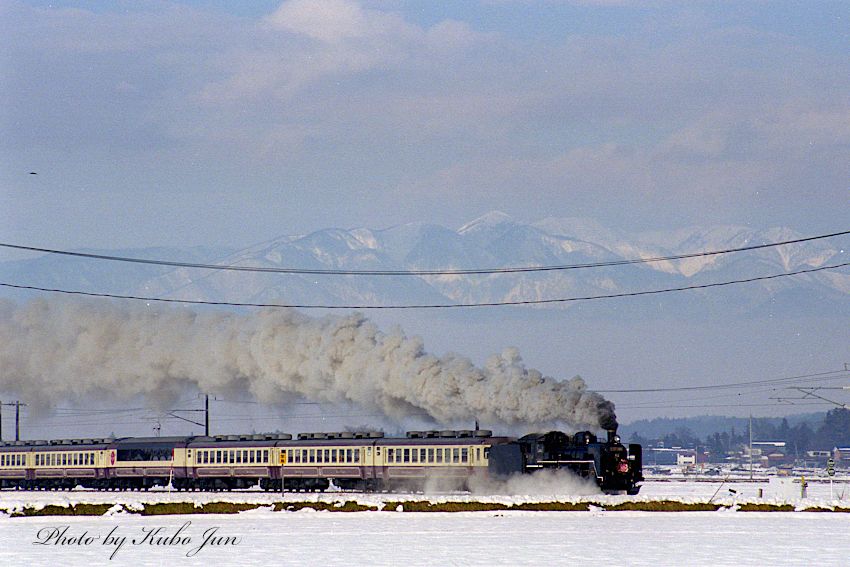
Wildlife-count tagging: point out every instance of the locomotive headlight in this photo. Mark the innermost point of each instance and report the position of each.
(616, 439)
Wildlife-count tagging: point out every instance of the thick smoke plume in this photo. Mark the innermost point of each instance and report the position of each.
(54, 351)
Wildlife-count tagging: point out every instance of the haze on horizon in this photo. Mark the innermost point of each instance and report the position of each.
(202, 123)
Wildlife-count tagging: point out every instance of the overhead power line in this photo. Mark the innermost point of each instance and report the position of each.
(426, 305)
(817, 377)
(468, 271)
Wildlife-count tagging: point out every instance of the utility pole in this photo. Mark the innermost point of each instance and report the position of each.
(17, 405)
(206, 410)
(751, 446)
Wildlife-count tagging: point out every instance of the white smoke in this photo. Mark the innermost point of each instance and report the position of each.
(550, 483)
(58, 350)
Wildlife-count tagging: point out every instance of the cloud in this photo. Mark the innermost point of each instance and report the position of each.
(337, 20)
(682, 110)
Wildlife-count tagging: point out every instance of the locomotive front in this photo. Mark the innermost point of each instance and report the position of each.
(613, 466)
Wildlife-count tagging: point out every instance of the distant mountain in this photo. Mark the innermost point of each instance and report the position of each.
(491, 241)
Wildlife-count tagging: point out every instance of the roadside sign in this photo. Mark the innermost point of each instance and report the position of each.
(830, 467)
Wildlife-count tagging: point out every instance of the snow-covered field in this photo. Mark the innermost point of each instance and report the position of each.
(725, 537)
(466, 538)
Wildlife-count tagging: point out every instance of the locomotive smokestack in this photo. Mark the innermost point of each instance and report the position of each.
(612, 434)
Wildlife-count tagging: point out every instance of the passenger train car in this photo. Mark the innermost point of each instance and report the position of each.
(365, 461)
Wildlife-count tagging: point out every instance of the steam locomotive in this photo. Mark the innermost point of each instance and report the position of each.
(364, 461)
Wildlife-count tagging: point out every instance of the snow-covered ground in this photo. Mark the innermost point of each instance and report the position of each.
(777, 491)
(725, 537)
(466, 538)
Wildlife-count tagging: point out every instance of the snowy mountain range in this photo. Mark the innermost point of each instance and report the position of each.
(491, 241)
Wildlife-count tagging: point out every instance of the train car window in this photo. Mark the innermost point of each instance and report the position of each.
(64, 459)
(333, 456)
(414, 455)
(430, 455)
(464, 455)
(312, 454)
(455, 455)
(245, 456)
(390, 455)
(422, 453)
(238, 456)
(232, 456)
(407, 455)
(327, 455)
(218, 456)
(356, 455)
(148, 454)
(478, 454)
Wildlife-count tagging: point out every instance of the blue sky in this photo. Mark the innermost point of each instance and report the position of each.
(188, 123)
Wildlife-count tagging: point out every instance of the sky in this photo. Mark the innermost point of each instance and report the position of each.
(215, 123)
(222, 123)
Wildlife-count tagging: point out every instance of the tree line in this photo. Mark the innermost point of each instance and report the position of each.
(833, 432)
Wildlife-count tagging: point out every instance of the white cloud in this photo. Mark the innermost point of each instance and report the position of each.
(337, 20)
